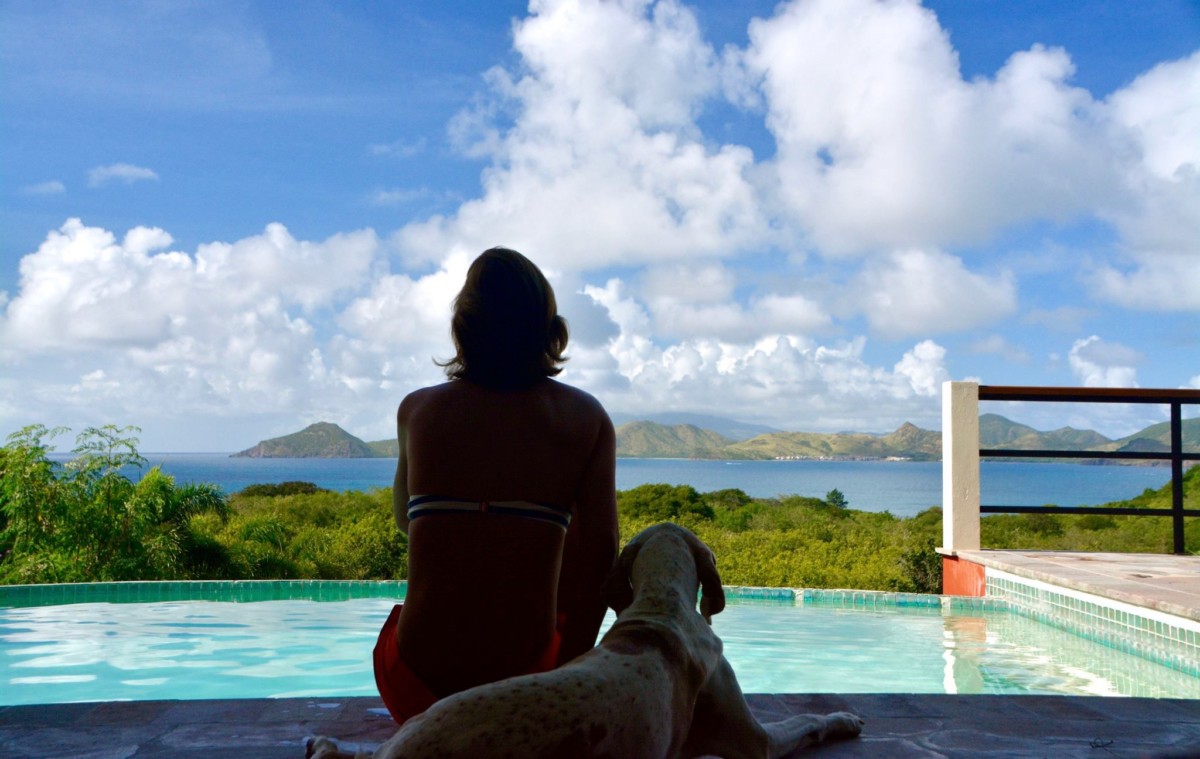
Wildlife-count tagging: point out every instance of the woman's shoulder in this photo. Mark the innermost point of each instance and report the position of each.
(580, 401)
(424, 397)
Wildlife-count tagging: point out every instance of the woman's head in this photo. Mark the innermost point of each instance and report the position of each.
(506, 327)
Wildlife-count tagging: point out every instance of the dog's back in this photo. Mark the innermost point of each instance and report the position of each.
(602, 704)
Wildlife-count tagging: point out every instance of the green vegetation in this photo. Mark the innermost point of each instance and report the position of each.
(1097, 532)
(87, 520)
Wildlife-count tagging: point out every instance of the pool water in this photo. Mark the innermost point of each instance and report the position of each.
(300, 648)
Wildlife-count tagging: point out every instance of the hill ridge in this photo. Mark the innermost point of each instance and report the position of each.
(647, 439)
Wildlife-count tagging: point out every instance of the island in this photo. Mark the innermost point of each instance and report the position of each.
(648, 439)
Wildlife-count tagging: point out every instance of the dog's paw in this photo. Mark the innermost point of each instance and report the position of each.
(843, 725)
(320, 746)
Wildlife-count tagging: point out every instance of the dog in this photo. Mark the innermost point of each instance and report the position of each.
(656, 687)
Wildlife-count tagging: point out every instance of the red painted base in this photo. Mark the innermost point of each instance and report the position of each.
(962, 578)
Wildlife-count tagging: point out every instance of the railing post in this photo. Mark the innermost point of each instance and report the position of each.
(960, 466)
(1177, 477)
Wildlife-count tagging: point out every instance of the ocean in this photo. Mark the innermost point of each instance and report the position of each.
(904, 488)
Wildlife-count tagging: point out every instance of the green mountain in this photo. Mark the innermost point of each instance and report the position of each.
(997, 432)
(908, 442)
(645, 439)
(322, 440)
(1157, 437)
(677, 441)
(385, 449)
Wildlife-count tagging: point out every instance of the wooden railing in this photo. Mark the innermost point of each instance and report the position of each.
(961, 454)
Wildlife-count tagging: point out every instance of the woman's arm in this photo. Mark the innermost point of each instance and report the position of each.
(400, 482)
(591, 547)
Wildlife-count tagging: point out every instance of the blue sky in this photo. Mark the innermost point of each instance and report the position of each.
(225, 220)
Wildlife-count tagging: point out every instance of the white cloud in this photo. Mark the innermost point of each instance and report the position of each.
(81, 289)
(924, 366)
(604, 162)
(882, 144)
(119, 172)
(913, 292)
(790, 380)
(1101, 363)
(1158, 117)
(228, 328)
(52, 187)
(699, 301)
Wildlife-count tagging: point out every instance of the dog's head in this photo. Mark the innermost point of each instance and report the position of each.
(618, 588)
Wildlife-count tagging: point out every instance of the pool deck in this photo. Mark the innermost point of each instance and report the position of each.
(1165, 582)
(897, 727)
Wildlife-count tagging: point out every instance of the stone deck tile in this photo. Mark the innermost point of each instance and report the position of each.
(898, 726)
(1164, 582)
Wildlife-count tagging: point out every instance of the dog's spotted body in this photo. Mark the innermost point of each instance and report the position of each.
(657, 686)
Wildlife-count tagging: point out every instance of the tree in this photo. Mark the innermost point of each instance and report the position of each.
(87, 520)
(836, 499)
(662, 503)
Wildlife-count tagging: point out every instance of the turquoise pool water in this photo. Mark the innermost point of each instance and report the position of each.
(290, 648)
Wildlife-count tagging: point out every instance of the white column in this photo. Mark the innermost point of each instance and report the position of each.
(960, 466)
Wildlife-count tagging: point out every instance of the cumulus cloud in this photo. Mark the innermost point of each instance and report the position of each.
(603, 162)
(1101, 363)
(924, 366)
(789, 380)
(52, 187)
(913, 292)
(699, 301)
(881, 143)
(1159, 117)
(233, 327)
(82, 289)
(123, 173)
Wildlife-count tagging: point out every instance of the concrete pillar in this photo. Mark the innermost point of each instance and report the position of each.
(960, 466)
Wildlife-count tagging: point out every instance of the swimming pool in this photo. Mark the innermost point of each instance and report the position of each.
(194, 649)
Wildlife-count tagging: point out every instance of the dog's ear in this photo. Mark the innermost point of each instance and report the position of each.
(617, 589)
(712, 595)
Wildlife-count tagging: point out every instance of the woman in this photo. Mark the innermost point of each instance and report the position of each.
(506, 490)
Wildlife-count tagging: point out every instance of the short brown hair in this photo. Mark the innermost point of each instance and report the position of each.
(506, 327)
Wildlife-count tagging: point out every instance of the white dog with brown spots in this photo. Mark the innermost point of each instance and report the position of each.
(657, 686)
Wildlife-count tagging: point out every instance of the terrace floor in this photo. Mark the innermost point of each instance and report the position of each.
(1164, 582)
(897, 727)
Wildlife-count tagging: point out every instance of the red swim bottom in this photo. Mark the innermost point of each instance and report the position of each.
(404, 693)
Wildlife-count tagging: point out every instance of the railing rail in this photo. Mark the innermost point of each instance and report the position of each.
(961, 454)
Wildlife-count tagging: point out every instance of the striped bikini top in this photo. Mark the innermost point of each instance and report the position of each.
(428, 505)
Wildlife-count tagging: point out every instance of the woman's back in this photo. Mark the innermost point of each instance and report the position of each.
(483, 586)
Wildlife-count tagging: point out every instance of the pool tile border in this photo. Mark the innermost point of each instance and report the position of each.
(236, 591)
(1163, 638)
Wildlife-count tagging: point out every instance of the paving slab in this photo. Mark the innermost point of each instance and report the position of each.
(898, 726)
(1165, 582)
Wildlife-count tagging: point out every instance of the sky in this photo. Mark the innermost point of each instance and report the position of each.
(222, 221)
